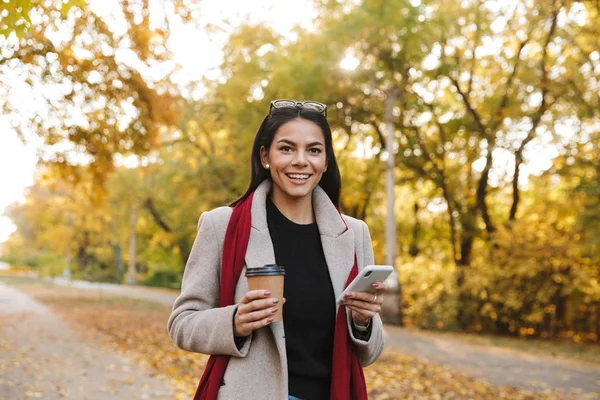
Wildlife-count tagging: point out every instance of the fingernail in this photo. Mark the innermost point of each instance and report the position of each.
(270, 320)
(267, 293)
(349, 294)
(275, 300)
(274, 310)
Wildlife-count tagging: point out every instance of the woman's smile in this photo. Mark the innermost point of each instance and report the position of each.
(298, 178)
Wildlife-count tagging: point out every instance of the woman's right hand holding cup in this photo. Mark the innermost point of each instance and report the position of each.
(255, 310)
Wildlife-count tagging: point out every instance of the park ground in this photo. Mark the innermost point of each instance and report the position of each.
(88, 341)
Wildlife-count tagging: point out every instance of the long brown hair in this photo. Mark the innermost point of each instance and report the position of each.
(331, 180)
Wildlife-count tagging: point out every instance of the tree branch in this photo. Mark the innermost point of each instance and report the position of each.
(483, 181)
(475, 44)
(186, 140)
(580, 96)
(497, 120)
(445, 190)
(379, 133)
(535, 120)
(470, 109)
(180, 242)
(482, 189)
(149, 205)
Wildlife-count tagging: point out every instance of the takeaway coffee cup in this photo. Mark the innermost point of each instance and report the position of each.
(268, 277)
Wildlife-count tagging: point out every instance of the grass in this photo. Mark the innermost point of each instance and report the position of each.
(16, 280)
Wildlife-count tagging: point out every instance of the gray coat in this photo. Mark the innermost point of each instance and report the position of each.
(258, 370)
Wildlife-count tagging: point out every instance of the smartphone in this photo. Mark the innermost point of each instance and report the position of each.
(366, 278)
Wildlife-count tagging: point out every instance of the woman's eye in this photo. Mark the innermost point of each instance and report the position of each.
(315, 151)
(285, 148)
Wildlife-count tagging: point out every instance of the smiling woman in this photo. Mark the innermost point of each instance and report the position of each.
(288, 216)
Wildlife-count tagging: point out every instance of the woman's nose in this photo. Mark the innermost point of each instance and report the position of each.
(299, 158)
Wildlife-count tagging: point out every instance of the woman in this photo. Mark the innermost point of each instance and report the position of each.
(288, 216)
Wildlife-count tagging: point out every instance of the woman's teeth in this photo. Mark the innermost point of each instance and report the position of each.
(299, 176)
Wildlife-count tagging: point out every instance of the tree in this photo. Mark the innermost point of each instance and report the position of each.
(481, 86)
(99, 90)
(15, 14)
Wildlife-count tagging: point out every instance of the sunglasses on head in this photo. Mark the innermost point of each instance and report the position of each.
(308, 105)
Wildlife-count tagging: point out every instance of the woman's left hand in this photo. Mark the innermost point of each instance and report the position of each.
(364, 305)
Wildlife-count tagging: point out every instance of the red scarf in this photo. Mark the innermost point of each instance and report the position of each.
(347, 379)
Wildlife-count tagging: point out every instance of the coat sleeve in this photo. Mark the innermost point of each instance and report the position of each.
(197, 323)
(368, 350)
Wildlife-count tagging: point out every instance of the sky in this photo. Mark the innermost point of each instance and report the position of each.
(17, 164)
(17, 161)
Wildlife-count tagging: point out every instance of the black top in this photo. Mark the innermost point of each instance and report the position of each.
(309, 311)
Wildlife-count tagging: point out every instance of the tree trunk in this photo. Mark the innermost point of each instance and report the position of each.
(598, 321)
(502, 328)
(561, 311)
(482, 191)
(466, 248)
(414, 243)
(118, 260)
(515, 187)
(184, 250)
(461, 319)
(450, 221)
(131, 271)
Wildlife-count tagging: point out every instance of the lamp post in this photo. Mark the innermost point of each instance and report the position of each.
(393, 300)
(391, 307)
(390, 224)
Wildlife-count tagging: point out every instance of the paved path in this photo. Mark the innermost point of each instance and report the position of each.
(499, 366)
(41, 356)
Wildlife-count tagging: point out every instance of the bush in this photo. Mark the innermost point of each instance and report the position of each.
(428, 295)
(164, 278)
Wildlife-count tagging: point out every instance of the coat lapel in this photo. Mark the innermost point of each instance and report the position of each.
(337, 240)
(260, 247)
(260, 252)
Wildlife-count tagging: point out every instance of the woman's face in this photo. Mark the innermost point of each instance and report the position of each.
(296, 159)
